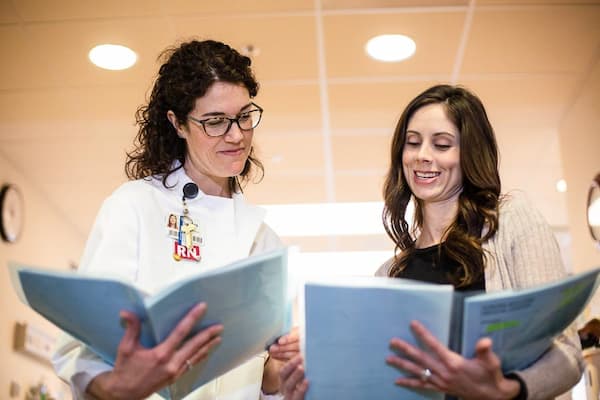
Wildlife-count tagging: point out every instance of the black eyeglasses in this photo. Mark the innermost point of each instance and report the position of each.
(219, 126)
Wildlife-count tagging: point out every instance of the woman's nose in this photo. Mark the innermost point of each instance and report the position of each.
(424, 153)
(234, 134)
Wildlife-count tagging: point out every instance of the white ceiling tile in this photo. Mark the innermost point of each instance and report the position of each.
(437, 36)
(351, 187)
(360, 152)
(375, 4)
(533, 40)
(63, 10)
(372, 106)
(285, 43)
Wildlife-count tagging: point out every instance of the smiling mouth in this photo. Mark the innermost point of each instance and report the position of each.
(427, 175)
(233, 151)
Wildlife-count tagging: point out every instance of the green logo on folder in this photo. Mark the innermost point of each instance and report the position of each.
(498, 326)
(572, 293)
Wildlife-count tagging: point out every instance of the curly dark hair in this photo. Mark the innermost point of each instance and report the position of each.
(477, 217)
(186, 74)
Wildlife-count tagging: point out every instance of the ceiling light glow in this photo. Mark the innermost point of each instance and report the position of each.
(391, 48)
(561, 186)
(112, 56)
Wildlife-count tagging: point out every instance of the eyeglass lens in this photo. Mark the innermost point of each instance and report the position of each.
(219, 126)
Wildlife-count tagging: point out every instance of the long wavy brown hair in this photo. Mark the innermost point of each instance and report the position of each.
(187, 73)
(477, 217)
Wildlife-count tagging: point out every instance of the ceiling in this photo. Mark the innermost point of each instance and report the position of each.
(329, 109)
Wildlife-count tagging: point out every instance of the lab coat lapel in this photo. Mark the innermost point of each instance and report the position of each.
(248, 219)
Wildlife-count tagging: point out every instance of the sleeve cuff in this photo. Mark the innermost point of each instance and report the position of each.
(523, 388)
(275, 396)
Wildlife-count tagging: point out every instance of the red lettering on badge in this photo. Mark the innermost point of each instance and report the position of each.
(182, 252)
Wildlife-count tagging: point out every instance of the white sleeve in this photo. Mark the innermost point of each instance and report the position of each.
(266, 240)
(112, 246)
(276, 396)
(115, 223)
(77, 365)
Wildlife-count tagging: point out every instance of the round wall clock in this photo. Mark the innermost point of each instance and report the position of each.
(11, 213)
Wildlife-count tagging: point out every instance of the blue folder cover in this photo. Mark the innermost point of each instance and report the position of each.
(523, 323)
(249, 297)
(349, 323)
(348, 327)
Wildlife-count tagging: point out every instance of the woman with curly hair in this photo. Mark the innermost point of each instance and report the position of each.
(444, 158)
(182, 212)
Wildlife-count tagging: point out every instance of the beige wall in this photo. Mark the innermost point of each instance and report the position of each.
(580, 148)
(46, 241)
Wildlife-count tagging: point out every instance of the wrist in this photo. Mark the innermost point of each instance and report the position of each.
(103, 387)
(270, 381)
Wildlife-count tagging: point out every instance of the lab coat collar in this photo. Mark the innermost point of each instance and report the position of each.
(248, 218)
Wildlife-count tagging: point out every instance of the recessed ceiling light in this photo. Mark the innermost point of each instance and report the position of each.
(112, 56)
(561, 186)
(391, 48)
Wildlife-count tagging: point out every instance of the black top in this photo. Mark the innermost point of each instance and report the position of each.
(426, 265)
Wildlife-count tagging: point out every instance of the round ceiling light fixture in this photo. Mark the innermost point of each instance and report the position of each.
(112, 56)
(561, 186)
(391, 48)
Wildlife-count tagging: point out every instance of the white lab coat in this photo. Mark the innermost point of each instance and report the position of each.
(130, 241)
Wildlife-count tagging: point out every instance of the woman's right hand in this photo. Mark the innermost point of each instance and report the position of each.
(139, 371)
(293, 383)
(286, 347)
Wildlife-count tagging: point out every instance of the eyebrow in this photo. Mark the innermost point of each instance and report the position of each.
(440, 133)
(220, 113)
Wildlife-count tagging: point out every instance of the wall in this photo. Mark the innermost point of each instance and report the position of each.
(46, 241)
(580, 150)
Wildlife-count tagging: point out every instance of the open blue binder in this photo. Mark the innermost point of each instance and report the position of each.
(349, 323)
(249, 297)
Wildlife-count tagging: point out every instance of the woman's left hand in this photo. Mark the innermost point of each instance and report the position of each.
(443, 370)
(286, 347)
(293, 382)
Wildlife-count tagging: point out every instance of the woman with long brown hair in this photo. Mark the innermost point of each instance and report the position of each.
(444, 158)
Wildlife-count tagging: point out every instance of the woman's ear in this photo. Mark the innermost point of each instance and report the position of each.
(178, 128)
